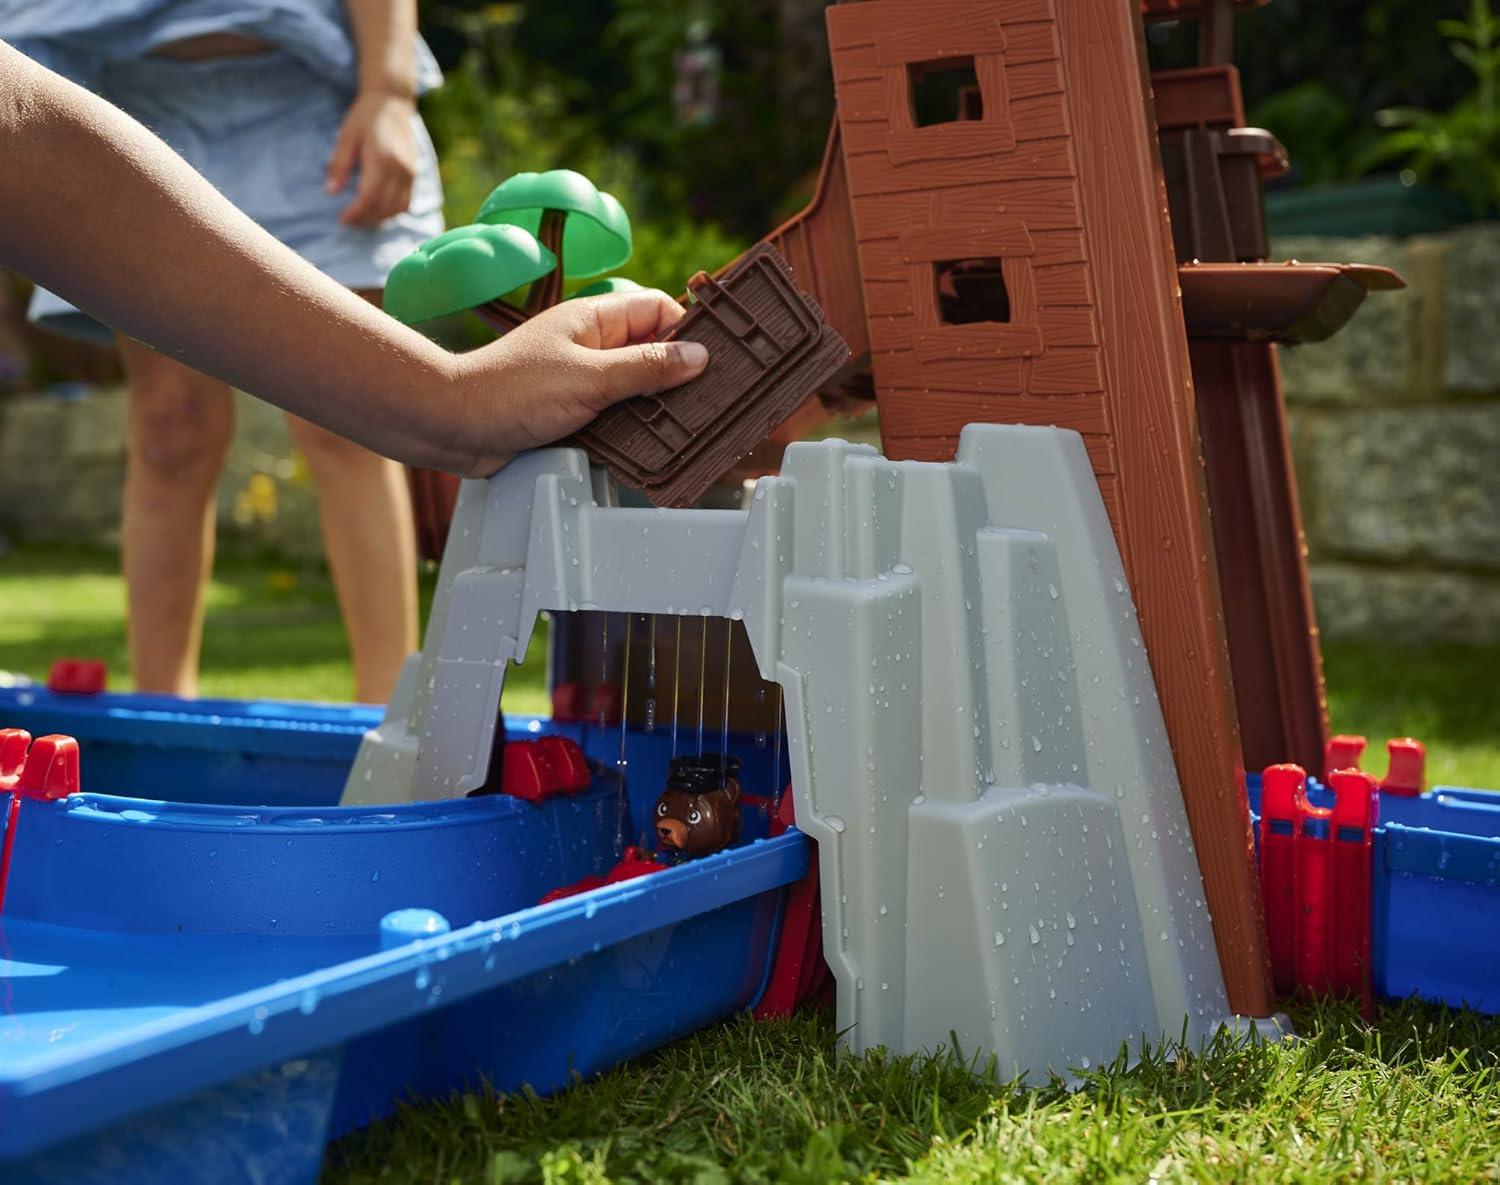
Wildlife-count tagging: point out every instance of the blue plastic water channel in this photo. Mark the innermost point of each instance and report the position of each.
(153, 950)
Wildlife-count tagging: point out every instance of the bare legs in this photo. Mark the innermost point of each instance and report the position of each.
(371, 546)
(180, 427)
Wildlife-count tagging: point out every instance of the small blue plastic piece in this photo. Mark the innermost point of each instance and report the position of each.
(402, 926)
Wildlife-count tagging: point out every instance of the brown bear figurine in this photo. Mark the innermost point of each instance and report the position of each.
(699, 811)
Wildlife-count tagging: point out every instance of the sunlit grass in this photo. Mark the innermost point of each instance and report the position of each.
(1415, 1096)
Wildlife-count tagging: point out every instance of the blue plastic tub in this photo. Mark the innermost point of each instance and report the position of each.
(195, 991)
(1436, 895)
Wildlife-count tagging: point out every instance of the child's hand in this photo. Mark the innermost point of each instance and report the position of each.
(554, 374)
(377, 137)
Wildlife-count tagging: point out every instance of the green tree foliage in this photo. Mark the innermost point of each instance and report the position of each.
(1459, 147)
(505, 110)
(1317, 72)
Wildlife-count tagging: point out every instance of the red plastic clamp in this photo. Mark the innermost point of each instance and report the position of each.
(1317, 881)
(799, 972)
(46, 768)
(1355, 810)
(78, 676)
(570, 703)
(634, 864)
(1282, 791)
(537, 770)
(575, 703)
(1342, 752)
(1407, 772)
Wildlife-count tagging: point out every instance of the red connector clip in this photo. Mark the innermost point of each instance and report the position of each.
(77, 676)
(575, 703)
(1407, 771)
(799, 972)
(537, 770)
(46, 768)
(1317, 881)
(1406, 767)
(634, 864)
(1342, 752)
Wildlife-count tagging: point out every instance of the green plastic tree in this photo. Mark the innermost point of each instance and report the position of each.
(469, 267)
(535, 229)
(585, 228)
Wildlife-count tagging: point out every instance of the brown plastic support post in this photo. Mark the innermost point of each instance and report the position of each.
(1273, 633)
(1059, 183)
(1216, 32)
(1234, 306)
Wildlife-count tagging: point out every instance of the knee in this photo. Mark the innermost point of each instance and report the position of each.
(181, 426)
(328, 453)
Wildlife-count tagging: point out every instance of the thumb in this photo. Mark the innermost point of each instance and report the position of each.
(647, 367)
(341, 160)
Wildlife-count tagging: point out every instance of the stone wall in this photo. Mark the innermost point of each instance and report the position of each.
(1396, 432)
(62, 469)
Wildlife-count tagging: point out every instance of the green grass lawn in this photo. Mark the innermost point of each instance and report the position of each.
(1415, 1096)
(271, 631)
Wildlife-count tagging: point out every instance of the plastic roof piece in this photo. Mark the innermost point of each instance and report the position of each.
(597, 238)
(462, 269)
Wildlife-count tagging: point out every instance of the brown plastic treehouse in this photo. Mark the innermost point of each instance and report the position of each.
(1011, 259)
(1014, 223)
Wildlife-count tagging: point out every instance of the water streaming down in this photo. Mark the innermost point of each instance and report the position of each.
(603, 667)
(625, 689)
(676, 683)
(728, 640)
(651, 679)
(702, 676)
(776, 787)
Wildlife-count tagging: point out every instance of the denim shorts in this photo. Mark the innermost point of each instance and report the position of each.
(261, 128)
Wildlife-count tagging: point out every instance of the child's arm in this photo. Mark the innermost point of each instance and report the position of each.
(95, 207)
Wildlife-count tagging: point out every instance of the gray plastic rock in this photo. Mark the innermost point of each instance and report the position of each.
(974, 736)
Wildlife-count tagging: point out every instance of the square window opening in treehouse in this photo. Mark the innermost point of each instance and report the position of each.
(944, 91)
(971, 291)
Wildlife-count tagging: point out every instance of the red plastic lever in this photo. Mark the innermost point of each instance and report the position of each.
(51, 769)
(633, 865)
(575, 703)
(1351, 887)
(799, 971)
(1342, 752)
(1407, 771)
(607, 704)
(1316, 880)
(78, 676)
(44, 768)
(570, 703)
(569, 767)
(1280, 824)
(536, 770)
(13, 745)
